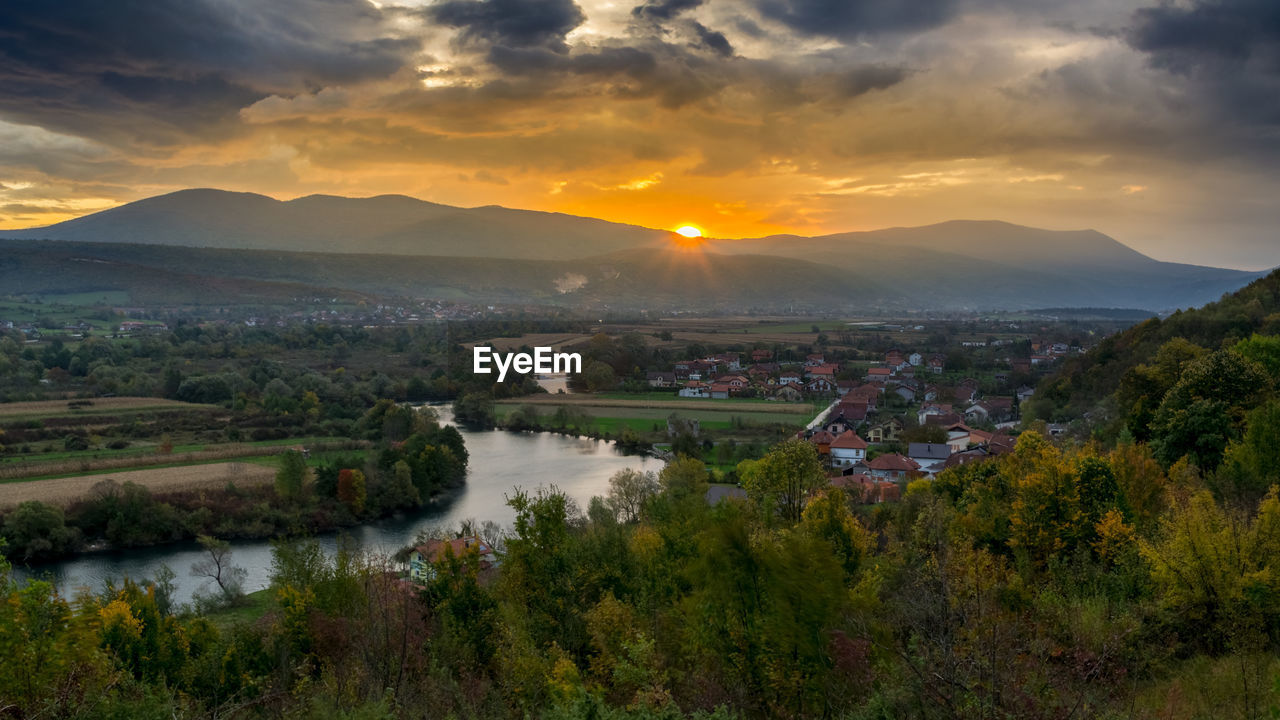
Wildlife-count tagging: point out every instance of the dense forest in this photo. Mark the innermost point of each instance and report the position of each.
(1052, 582)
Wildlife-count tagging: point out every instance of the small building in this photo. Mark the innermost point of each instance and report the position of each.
(848, 449)
(822, 441)
(423, 558)
(879, 375)
(929, 456)
(886, 431)
(893, 466)
(661, 379)
(695, 389)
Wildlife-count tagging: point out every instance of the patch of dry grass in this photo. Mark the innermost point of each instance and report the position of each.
(61, 491)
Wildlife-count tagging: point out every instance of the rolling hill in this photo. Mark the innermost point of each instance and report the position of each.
(393, 244)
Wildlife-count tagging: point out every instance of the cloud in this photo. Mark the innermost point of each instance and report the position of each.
(159, 72)
(849, 19)
(1225, 54)
(713, 40)
(510, 23)
(664, 9)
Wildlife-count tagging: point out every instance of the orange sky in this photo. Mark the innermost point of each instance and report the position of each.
(744, 118)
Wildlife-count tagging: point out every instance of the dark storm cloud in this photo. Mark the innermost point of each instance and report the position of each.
(1227, 52)
(510, 23)
(664, 9)
(1183, 38)
(117, 71)
(846, 19)
(863, 80)
(713, 40)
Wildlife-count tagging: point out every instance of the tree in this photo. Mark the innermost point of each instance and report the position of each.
(599, 376)
(1205, 410)
(292, 475)
(782, 480)
(217, 566)
(476, 409)
(34, 530)
(351, 489)
(1251, 465)
(400, 491)
(628, 491)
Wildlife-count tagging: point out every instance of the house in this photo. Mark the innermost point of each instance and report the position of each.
(916, 359)
(822, 440)
(827, 371)
(931, 409)
(929, 456)
(879, 375)
(893, 465)
(661, 379)
(944, 420)
(906, 393)
(991, 409)
(936, 364)
(819, 385)
(729, 361)
(930, 393)
(1024, 393)
(815, 360)
(967, 391)
(854, 413)
(868, 395)
(758, 356)
(720, 391)
(960, 436)
(886, 431)
(695, 389)
(848, 449)
(844, 386)
(894, 359)
(423, 557)
(789, 393)
(790, 378)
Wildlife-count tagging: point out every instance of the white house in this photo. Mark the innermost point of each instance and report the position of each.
(848, 449)
(695, 389)
(424, 557)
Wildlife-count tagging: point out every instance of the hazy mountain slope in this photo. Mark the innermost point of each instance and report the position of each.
(55, 270)
(391, 224)
(631, 279)
(981, 264)
(952, 265)
(1087, 381)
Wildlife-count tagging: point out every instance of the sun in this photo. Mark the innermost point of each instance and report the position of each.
(689, 231)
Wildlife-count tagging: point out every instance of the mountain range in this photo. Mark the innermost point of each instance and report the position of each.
(397, 245)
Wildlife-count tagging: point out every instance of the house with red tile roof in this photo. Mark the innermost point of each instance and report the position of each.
(848, 449)
(893, 465)
(423, 557)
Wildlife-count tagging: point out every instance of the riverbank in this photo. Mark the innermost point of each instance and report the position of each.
(499, 463)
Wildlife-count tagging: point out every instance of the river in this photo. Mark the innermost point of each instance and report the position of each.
(499, 462)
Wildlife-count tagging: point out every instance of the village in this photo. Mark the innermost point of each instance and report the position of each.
(896, 420)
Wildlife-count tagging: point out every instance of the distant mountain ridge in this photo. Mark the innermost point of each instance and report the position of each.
(962, 264)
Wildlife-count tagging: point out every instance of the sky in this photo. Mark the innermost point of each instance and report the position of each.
(1154, 121)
